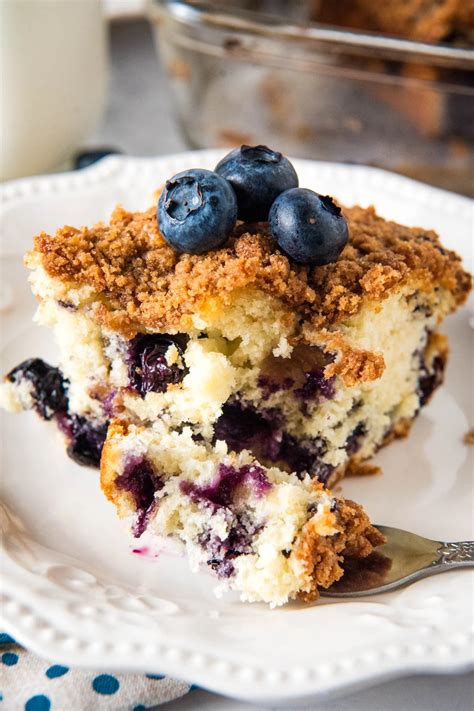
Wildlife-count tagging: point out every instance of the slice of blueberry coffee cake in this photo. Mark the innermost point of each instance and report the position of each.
(245, 344)
(306, 336)
(270, 535)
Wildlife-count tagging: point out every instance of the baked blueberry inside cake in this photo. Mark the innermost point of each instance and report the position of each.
(309, 368)
(270, 535)
(280, 354)
(34, 384)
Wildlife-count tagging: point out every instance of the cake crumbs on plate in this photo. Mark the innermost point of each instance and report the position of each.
(469, 436)
(356, 468)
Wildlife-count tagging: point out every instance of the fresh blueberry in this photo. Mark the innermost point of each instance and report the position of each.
(258, 175)
(197, 211)
(309, 227)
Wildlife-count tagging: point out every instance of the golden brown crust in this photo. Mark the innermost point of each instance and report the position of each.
(352, 365)
(142, 283)
(436, 347)
(359, 536)
(320, 557)
(400, 429)
(109, 466)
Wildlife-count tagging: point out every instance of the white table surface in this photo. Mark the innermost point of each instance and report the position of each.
(139, 121)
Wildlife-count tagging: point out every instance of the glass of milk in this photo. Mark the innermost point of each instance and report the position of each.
(52, 81)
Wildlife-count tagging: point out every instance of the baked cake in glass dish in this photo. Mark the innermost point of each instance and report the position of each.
(241, 348)
(450, 21)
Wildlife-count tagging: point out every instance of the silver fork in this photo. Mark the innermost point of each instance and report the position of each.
(404, 558)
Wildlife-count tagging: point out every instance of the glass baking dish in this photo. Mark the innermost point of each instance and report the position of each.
(316, 91)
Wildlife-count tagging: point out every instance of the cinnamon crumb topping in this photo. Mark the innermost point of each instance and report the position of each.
(143, 283)
(320, 557)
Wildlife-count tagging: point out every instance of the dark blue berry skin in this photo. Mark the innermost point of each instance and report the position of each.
(197, 211)
(309, 227)
(85, 439)
(148, 370)
(258, 175)
(49, 387)
(50, 396)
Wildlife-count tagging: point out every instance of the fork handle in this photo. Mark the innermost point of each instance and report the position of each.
(458, 554)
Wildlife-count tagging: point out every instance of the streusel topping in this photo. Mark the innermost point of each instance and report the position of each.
(143, 283)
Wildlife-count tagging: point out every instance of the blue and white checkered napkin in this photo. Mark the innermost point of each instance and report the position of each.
(33, 684)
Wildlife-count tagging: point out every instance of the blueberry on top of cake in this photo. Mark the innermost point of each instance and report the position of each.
(132, 280)
(287, 349)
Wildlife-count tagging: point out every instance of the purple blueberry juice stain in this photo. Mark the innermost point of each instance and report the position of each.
(223, 568)
(269, 387)
(245, 428)
(221, 492)
(148, 370)
(145, 552)
(239, 542)
(306, 456)
(315, 389)
(67, 305)
(261, 433)
(141, 481)
(298, 457)
(303, 373)
(108, 403)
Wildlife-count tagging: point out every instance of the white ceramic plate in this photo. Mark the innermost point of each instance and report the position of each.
(73, 590)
